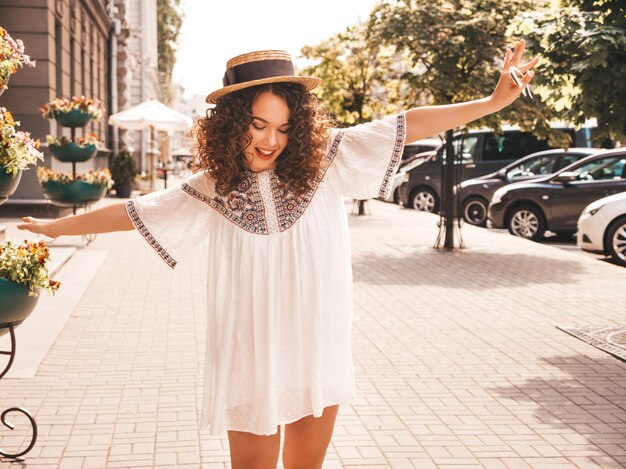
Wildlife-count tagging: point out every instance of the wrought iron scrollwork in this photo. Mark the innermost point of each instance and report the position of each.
(6, 456)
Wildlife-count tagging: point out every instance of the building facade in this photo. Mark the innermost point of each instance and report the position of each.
(102, 49)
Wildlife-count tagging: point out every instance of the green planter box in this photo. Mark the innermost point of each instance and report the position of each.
(8, 183)
(74, 118)
(73, 153)
(74, 193)
(16, 305)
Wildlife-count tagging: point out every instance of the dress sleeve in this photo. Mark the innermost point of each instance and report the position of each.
(172, 221)
(365, 157)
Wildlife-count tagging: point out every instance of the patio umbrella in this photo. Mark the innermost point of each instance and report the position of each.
(151, 115)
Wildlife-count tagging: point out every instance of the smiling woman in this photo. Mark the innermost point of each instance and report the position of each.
(269, 203)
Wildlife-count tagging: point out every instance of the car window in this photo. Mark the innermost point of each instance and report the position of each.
(511, 146)
(466, 148)
(569, 159)
(602, 169)
(533, 167)
(410, 151)
(414, 149)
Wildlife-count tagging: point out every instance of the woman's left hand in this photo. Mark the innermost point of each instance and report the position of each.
(509, 87)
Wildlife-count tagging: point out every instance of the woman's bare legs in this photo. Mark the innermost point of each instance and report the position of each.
(307, 440)
(250, 451)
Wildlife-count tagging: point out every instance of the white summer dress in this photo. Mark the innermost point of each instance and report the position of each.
(279, 278)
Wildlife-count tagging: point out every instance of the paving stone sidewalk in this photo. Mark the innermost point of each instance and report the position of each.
(458, 358)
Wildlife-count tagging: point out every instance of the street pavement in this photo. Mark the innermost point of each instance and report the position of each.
(458, 358)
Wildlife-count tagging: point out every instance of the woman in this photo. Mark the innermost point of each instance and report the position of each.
(270, 204)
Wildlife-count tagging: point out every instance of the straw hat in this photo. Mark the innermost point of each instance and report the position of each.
(259, 68)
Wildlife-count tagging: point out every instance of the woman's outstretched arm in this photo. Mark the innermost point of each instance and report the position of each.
(430, 120)
(102, 220)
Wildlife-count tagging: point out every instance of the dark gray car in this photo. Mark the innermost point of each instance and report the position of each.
(555, 202)
(479, 152)
(476, 193)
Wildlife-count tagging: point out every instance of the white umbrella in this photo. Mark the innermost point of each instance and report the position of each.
(151, 115)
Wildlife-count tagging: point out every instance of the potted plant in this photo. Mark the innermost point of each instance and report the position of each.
(23, 273)
(17, 151)
(75, 112)
(62, 189)
(123, 171)
(76, 150)
(11, 57)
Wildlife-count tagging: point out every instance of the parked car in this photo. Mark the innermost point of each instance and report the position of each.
(476, 193)
(481, 152)
(418, 147)
(602, 228)
(410, 163)
(555, 202)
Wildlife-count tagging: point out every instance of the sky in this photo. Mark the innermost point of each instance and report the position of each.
(214, 31)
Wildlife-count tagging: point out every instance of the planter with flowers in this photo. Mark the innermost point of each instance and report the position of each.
(78, 150)
(23, 274)
(66, 189)
(75, 112)
(72, 189)
(17, 151)
(12, 57)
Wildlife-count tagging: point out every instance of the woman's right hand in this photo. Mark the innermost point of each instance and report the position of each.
(35, 225)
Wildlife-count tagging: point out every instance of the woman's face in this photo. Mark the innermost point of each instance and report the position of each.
(268, 132)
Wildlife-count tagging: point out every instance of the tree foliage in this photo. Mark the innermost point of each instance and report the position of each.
(357, 75)
(456, 49)
(583, 48)
(169, 22)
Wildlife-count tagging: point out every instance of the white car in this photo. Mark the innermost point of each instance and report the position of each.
(602, 228)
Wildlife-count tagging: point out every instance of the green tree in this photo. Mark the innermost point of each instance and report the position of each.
(169, 22)
(583, 48)
(456, 49)
(357, 75)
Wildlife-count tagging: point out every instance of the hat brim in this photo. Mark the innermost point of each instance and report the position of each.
(308, 82)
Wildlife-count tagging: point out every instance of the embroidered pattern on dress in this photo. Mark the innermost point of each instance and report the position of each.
(290, 207)
(242, 206)
(134, 217)
(395, 156)
(245, 206)
(265, 186)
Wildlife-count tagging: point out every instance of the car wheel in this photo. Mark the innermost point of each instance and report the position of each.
(475, 211)
(616, 241)
(424, 199)
(526, 221)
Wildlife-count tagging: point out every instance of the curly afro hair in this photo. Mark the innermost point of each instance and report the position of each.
(219, 150)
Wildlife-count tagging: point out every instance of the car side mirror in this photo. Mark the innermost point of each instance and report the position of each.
(566, 177)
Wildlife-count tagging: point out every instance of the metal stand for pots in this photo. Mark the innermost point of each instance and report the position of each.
(6, 456)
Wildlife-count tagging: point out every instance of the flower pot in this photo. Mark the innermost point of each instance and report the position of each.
(16, 304)
(74, 193)
(73, 118)
(73, 153)
(8, 183)
(123, 190)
